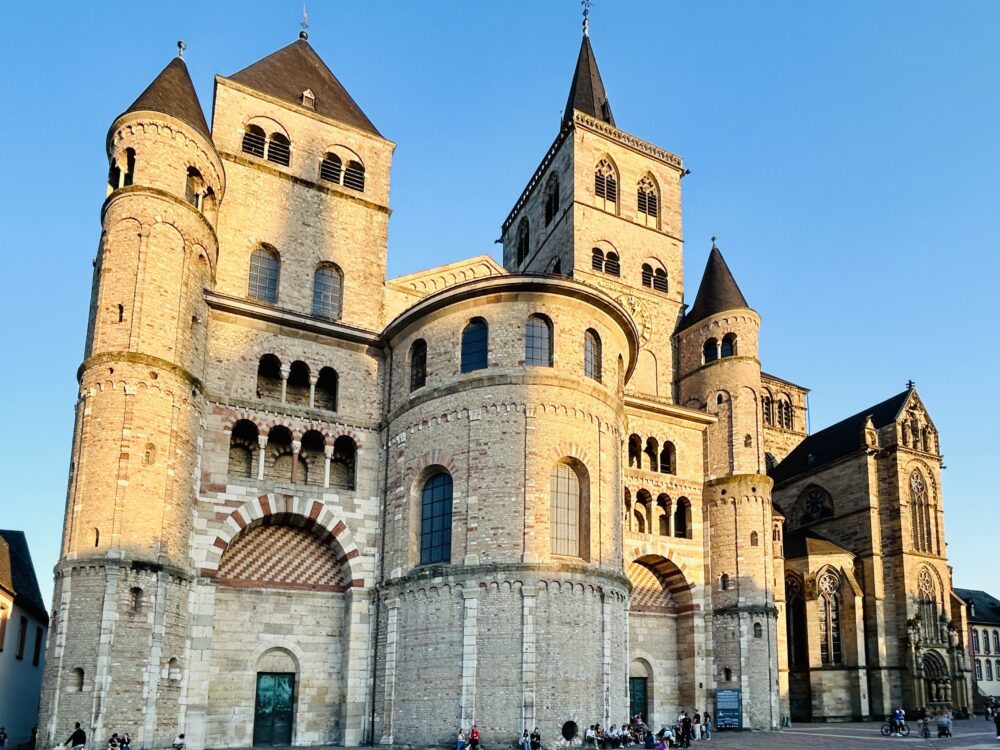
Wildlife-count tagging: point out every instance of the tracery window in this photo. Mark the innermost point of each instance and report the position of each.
(522, 241)
(927, 607)
(920, 514)
(606, 186)
(435, 519)
(475, 345)
(795, 623)
(328, 284)
(648, 201)
(551, 198)
(829, 619)
(263, 281)
(538, 341)
(565, 510)
(816, 504)
(592, 355)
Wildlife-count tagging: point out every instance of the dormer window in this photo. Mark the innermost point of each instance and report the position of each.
(309, 99)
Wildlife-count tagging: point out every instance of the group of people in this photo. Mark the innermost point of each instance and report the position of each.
(78, 740)
(637, 734)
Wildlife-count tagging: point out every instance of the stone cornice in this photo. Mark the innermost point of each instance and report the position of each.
(645, 405)
(628, 141)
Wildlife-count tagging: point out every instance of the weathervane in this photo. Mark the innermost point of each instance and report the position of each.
(305, 22)
(586, 16)
(714, 238)
(180, 49)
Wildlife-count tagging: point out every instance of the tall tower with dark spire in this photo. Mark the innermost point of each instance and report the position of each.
(719, 372)
(605, 207)
(123, 577)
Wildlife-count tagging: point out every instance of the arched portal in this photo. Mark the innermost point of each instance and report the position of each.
(661, 639)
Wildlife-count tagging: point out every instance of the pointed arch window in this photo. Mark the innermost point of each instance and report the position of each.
(592, 355)
(927, 608)
(551, 198)
(264, 268)
(418, 364)
(829, 619)
(648, 201)
(328, 289)
(920, 514)
(522, 240)
(606, 186)
(538, 341)
(435, 519)
(795, 623)
(475, 345)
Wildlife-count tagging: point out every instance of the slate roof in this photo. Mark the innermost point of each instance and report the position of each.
(837, 440)
(718, 291)
(172, 93)
(805, 542)
(587, 93)
(987, 607)
(22, 573)
(285, 74)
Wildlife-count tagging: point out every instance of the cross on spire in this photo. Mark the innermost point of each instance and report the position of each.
(586, 16)
(910, 385)
(304, 23)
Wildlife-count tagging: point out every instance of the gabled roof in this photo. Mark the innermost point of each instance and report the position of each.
(586, 93)
(987, 607)
(807, 542)
(22, 573)
(838, 439)
(285, 74)
(172, 93)
(718, 291)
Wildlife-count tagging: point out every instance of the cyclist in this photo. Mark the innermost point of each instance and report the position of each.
(899, 721)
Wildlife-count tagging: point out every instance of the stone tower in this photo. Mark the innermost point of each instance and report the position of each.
(605, 207)
(123, 576)
(719, 371)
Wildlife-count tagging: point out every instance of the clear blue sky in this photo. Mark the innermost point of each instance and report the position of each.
(845, 153)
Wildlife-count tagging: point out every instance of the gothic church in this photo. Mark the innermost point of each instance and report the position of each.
(312, 505)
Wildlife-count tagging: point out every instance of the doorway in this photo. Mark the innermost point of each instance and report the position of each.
(272, 719)
(638, 697)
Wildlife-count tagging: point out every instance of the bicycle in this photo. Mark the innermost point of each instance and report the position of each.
(888, 730)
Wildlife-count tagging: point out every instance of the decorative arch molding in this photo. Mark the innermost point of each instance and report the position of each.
(566, 449)
(437, 458)
(317, 516)
(267, 643)
(264, 426)
(160, 124)
(269, 124)
(915, 464)
(672, 576)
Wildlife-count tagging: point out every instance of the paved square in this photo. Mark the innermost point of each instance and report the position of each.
(974, 734)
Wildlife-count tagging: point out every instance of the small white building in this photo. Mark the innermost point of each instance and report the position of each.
(23, 628)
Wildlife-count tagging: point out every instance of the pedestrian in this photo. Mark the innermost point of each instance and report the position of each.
(78, 739)
(696, 726)
(474, 737)
(126, 741)
(996, 723)
(113, 742)
(460, 739)
(706, 725)
(686, 730)
(178, 743)
(536, 740)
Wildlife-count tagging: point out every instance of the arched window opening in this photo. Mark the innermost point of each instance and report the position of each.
(979, 670)
(682, 519)
(263, 282)
(640, 519)
(114, 176)
(927, 608)
(663, 515)
(354, 176)
(829, 619)
(269, 378)
(727, 674)
(312, 458)
(729, 345)
(279, 149)
(149, 455)
(435, 519)
(418, 364)
(784, 413)
(724, 582)
(975, 641)
(551, 198)
(710, 350)
(767, 409)
(628, 510)
(597, 259)
(754, 539)
(795, 623)
(921, 529)
(634, 451)
(758, 630)
(521, 241)
(647, 275)
(135, 600)
(210, 206)
(342, 463)
(173, 670)
(660, 280)
(76, 681)
(97, 537)
(538, 341)
(253, 141)
(129, 177)
(612, 266)
(592, 355)
(567, 510)
(278, 463)
(644, 512)
(328, 289)
(297, 389)
(475, 345)
(243, 446)
(327, 387)
(652, 454)
(648, 201)
(668, 459)
(605, 186)
(720, 399)
(194, 187)
(331, 168)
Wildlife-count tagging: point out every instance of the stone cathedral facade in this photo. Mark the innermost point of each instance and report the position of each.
(309, 504)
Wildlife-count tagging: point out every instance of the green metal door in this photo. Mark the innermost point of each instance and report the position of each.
(638, 698)
(272, 721)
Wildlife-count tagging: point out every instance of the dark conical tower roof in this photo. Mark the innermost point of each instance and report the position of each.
(586, 93)
(718, 291)
(285, 74)
(172, 93)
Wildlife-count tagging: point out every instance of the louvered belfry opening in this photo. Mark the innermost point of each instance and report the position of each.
(331, 169)
(253, 141)
(354, 176)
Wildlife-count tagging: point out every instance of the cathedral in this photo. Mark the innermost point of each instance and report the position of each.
(309, 504)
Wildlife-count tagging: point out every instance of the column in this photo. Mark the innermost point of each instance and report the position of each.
(284, 382)
(262, 456)
(312, 390)
(470, 633)
(296, 449)
(528, 655)
(328, 452)
(388, 705)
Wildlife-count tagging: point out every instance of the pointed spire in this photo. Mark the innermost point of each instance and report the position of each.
(587, 90)
(172, 93)
(718, 291)
(285, 74)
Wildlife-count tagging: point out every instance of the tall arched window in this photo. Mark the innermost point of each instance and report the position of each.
(297, 385)
(634, 451)
(194, 187)
(758, 630)
(668, 458)
(927, 607)
(522, 241)
(269, 378)
(129, 177)
(711, 350)
(327, 387)
(920, 514)
(253, 140)
(342, 463)
(767, 408)
(829, 619)
(263, 282)
(647, 275)
(243, 446)
(729, 345)
(754, 539)
(652, 454)
(682, 518)
(354, 176)
(76, 680)
(795, 623)
(724, 582)
(567, 512)
(592, 355)
(648, 201)
(785, 418)
(597, 259)
(605, 186)
(279, 149)
(331, 169)
(975, 641)
(612, 265)
(435, 519)
(475, 345)
(551, 198)
(979, 670)
(328, 291)
(418, 364)
(538, 341)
